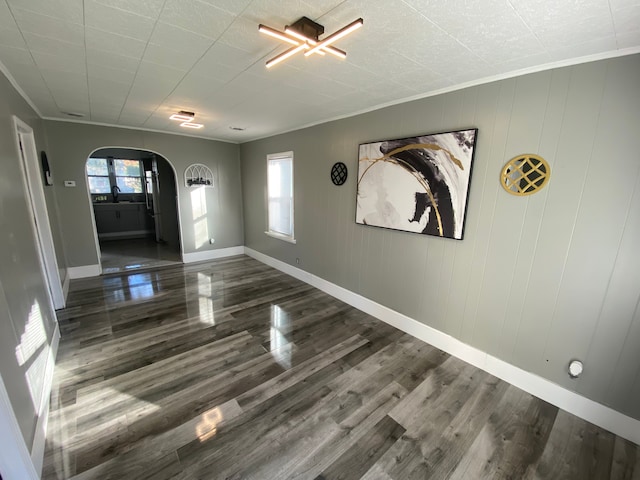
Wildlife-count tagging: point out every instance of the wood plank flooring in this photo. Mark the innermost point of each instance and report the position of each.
(233, 370)
(125, 255)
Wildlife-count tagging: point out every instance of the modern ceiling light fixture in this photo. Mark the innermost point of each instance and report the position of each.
(305, 35)
(186, 118)
(343, 32)
(286, 54)
(191, 125)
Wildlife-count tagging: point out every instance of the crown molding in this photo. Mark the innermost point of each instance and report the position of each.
(482, 81)
(15, 85)
(127, 127)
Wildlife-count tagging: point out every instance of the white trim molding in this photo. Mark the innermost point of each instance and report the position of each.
(279, 236)
(212, 254)
(127, 234)
(65, 285)
(84, 271)
(15, 461)
(37, 205)
(39, 441)
(589, 410)
(460, 86)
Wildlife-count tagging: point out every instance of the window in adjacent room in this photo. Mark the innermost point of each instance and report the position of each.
(128, 175)
(105, 173)
(280, 196)
(98, 175)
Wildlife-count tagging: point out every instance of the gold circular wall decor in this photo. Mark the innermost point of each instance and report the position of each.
(525, 174)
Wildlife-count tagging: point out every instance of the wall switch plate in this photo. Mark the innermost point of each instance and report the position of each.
(69, 183)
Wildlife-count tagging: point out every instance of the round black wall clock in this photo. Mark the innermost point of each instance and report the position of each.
(339, 173)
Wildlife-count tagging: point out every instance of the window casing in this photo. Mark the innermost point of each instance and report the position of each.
(280, 212)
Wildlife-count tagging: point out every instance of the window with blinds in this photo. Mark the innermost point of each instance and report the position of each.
(280, 196)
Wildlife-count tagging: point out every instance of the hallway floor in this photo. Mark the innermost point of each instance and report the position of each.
(231, 369)
(135, 254)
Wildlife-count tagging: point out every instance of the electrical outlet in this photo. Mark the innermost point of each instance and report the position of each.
(211, 241)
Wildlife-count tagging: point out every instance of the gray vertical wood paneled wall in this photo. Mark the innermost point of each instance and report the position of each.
(537, 280)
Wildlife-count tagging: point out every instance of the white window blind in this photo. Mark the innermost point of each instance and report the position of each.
(280, 195)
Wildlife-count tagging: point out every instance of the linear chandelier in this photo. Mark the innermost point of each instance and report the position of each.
(305, 35)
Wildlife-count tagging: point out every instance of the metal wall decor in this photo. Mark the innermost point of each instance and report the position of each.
(525, 174)
(339, 173)
(46, 170)
(198, 175)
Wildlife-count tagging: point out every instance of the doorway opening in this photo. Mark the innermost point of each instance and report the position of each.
(134, 199)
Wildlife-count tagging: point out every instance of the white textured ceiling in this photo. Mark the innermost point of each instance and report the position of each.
(134, 62)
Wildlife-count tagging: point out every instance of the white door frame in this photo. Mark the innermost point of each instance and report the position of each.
(36, 203)
(157, 214)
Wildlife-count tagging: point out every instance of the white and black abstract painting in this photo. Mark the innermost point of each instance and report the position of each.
(418, 184)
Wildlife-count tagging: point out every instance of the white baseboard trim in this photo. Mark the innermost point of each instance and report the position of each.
(39, 441)
(84, 271)
(596, 413)
(127, 234)
(212, 254)
(65, 285)
(15, 461)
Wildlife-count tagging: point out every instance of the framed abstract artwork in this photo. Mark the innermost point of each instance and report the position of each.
(418, 184)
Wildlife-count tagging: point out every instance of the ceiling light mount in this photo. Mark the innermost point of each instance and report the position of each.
(305, 29)
(304, 34)
(183, 116)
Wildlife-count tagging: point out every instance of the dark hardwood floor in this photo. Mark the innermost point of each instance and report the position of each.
(231, 369)
(124, 255)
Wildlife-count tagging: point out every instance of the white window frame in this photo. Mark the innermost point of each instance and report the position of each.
(271, 233)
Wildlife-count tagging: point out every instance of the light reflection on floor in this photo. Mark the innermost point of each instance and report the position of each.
(205, 300)
(131, 287)
(281, 349)
(208, 425)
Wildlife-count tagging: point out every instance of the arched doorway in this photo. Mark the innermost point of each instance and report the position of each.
(134, 200)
